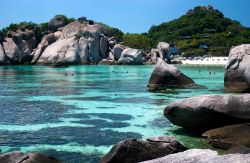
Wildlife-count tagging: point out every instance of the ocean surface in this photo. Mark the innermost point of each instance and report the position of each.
(77, 113)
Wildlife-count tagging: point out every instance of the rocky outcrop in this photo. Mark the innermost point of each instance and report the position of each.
(17, 52)
(78, 43)
(62, 51)
(45, 42)
(201, 156)
(206, 112)
(163, 51)
(104, 46)
(155, 54)
(168, 76)
(130, 56)
(229, 136)
(3, 58)
(237, 74)
(17, 157)
(56, 22)
(117, 52)
(133, 151)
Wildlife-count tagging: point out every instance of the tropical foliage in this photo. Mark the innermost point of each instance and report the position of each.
(201, 27)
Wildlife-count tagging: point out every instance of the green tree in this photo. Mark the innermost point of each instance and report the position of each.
(139, 41)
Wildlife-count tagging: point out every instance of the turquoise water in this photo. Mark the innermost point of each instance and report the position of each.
(78, 113)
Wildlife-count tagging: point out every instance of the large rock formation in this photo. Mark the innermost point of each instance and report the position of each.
(130, 56)
(201, 156)
(17, 50)
(56, 22)
(229, 136)
(118, 49)
(163, 51)
(168, 76)
(62, 51)
(77, 43)
(237, 75)
(17, 157)
(206, 112)
(133, 151)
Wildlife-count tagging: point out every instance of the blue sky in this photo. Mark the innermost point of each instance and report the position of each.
(134, 16)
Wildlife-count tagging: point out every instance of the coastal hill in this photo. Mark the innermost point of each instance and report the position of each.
(201, 30)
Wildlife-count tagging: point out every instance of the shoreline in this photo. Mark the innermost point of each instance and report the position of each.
(206, 61)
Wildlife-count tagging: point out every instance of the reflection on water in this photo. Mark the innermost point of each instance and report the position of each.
(78, 113)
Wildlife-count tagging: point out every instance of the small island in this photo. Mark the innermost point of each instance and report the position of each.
(79, 90)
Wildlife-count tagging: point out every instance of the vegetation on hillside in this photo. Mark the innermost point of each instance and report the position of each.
(139, 41)
(113, 32)
(202, 30)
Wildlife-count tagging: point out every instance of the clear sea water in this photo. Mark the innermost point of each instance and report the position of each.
(77, 113)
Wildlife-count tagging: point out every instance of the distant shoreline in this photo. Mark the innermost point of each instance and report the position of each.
(206, 61)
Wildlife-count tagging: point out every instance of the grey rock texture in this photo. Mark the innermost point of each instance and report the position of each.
(77, 43)
(118, 49)
(62, 51)
(207, 112)
(202, 156)
(134, 150)
(237, 71)
(130, 56)
(163, 51)
(17, 157)
(168, 76)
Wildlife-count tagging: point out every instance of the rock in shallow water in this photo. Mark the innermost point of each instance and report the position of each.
(229, 136)
(202, 156)
(17, 157)
(206, 112)
(237, 75)
(134, 150)
(168, 76)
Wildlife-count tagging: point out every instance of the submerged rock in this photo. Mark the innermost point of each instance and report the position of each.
(168, 76)
(237, 74)
(17, 157)
(130, 56)
(229, 136)
(134, 150)
(201, 156)
(206, 112)
(238, 149)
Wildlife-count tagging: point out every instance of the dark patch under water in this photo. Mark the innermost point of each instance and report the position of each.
(63, 135)
(110, 86)
(14, 112)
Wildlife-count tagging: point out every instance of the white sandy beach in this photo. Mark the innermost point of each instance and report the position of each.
(206, 61)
